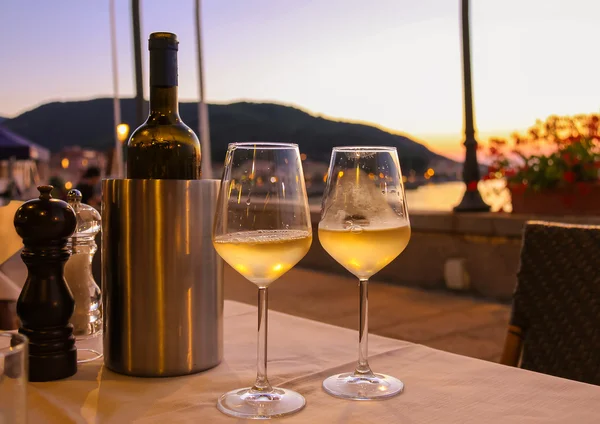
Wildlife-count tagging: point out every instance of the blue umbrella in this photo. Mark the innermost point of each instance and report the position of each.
(14, 146)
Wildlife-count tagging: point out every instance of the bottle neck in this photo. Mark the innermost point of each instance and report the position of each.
(163, 83)
(164, 102)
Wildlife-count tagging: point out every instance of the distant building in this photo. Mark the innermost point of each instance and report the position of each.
(446, 169)
(69, 164)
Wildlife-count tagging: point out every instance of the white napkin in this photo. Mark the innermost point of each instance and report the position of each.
(10, 243)
(8, 289)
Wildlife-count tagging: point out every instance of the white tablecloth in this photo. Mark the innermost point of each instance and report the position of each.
(439, 387)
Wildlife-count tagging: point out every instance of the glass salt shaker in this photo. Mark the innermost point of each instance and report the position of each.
(87, 317)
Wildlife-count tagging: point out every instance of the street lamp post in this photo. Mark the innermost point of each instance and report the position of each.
(203, 124)
(137, 54)
(471, 201)
(117, 168)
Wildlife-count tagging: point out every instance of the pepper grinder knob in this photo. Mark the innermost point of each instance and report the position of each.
(46, 304)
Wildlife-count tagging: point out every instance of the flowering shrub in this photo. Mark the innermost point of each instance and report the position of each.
(563, 151)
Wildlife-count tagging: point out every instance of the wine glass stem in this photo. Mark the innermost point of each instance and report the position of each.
(262, 383)
(363, 331)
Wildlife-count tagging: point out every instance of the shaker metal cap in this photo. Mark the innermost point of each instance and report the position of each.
(74, 195)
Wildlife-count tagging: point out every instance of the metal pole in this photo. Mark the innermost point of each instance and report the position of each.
(203, 124)
(117, 168)
(140, 113)
(471, 201)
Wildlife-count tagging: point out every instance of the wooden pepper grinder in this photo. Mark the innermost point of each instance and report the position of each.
(46, 303)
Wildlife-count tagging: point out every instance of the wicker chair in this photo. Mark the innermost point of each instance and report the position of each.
(555, 323)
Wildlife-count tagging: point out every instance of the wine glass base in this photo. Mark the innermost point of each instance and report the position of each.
(363, 387)
(87, 355)
(256, 405)
(89, 347)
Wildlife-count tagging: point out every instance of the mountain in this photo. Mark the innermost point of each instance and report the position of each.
(90, 124)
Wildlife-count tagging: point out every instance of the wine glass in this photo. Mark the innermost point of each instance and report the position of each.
(364, 226)
(14, 370)
(262, 229)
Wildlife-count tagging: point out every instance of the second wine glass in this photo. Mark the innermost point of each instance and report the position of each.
(262, 229)
(364, 226)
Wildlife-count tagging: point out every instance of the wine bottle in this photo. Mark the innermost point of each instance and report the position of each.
(163, 147)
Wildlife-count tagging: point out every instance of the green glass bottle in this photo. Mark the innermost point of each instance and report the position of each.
(163, 147)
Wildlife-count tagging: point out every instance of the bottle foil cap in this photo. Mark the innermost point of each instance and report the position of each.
(163, 41)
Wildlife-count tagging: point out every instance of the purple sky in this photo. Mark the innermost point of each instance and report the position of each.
(395, 63)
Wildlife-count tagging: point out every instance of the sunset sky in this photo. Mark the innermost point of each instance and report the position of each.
(394, 63)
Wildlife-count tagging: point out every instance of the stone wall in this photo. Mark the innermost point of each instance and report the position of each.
(475, 253)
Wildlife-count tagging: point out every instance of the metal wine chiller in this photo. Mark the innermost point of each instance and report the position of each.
(162, 280)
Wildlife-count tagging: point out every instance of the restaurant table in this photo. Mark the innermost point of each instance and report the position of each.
(440, 387)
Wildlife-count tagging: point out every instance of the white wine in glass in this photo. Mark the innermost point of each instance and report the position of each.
(364, 226)
(262, 256)
(367, 251)
(262, 229)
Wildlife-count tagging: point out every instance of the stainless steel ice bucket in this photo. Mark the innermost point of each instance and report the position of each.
(162, 280)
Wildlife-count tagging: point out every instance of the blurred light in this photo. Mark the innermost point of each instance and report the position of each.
(231, 187)
(273, 179)
(340, 174)
(371, 176)
(64, 163)
(354, 262)
(122, 132)
(404, 179)
(277, 267)
(381, 175)
(430, 172)
(240, 268)
(303, 156)
(325, 178)
(68, 185)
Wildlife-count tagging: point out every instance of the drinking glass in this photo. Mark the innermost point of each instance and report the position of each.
(364, 226)
(13, 378)
(262, 229)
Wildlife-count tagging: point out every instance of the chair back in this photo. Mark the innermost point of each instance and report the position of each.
(556, 303)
